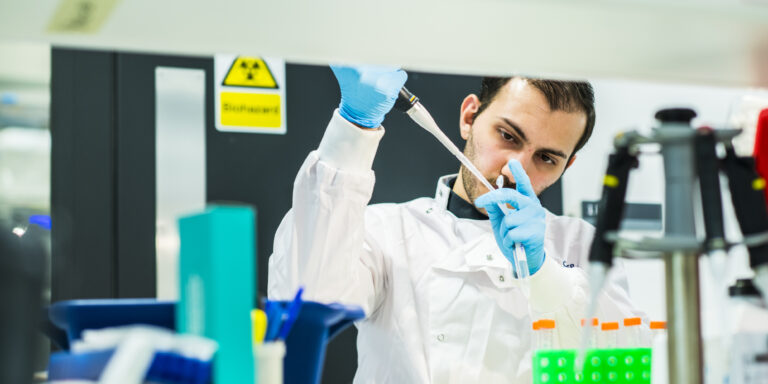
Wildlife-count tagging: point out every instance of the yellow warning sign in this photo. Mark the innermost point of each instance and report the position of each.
(250, 110)
(250, 72)
(81, 16)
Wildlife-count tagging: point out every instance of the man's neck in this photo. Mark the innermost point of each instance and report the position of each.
(458, 188)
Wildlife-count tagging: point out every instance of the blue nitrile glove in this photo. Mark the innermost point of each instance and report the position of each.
(368, 92)
(526, 224)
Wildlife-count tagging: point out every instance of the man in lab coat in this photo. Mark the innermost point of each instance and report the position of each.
(433, 274)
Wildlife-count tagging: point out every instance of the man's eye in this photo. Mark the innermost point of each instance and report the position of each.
(548, 159)
(506, 136)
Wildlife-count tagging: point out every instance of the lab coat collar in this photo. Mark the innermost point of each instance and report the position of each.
(450, 201)
(479, 255)
(443, 192)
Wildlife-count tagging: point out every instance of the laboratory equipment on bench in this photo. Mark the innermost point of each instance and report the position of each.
(601, 366)
(408, 102)
(690, 155)
(603, 361)
(316, 324)
(748, 332)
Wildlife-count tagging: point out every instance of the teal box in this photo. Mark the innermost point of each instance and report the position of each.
(217, 284)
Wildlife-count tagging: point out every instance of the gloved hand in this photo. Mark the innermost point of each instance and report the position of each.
(526, 224)
(368, 92)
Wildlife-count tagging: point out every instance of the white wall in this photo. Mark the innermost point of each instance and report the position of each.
(28, 63)
(626, 105)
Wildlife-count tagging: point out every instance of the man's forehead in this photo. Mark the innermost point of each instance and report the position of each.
(519, 91)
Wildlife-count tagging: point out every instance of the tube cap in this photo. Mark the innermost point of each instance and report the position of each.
(630, 321)
(609, 326)
(658, 325)
(595, 322)
(546, 324)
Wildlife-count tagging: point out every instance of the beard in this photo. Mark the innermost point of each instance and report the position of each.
(472, 186)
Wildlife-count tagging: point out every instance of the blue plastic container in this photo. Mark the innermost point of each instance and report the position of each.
(305, 347)
(165, 367)
(74, 316)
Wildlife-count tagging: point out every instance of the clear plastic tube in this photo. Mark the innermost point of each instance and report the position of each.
(597, 273)
(522, 270)
(546, 334)
(632, 328)
(609, 335)
(521, 258)
(592, 341)
(658, 329)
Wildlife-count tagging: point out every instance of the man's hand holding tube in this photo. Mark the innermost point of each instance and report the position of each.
(525, 224)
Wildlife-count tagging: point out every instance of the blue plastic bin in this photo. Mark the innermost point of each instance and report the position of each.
(74, 316)
(305, 347)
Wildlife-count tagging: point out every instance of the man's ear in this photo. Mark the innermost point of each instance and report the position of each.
(469, 108)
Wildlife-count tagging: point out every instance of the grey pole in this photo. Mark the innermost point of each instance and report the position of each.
(681, 267)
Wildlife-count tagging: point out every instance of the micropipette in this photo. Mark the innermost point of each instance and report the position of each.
(409, 103)
(609, 216)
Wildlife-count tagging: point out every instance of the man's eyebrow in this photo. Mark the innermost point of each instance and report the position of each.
(516, 129)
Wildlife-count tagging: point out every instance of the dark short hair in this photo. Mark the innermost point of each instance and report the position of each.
(568, 96)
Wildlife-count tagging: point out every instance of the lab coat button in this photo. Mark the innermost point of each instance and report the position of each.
(501, 278)
(489, 257)
(441, 337)
(429, 210)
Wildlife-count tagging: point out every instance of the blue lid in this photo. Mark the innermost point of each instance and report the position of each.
(43, 221)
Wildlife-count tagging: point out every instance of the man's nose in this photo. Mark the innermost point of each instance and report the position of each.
(524, 161)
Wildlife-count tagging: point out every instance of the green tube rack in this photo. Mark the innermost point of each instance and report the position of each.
(625, 366)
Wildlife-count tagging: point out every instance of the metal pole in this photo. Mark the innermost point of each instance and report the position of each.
(681, 267)
(684, 341)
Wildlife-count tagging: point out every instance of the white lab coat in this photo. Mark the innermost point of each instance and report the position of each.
(441, 303)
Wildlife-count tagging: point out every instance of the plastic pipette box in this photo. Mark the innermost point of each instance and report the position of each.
(217, 285)
(628, 366)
